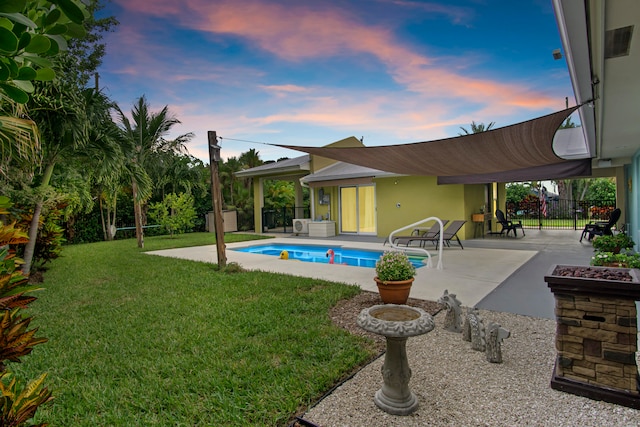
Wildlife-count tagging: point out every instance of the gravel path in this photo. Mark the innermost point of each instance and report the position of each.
(456, 386)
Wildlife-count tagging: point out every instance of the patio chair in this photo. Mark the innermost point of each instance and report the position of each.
(508, 225)
(601, 228)
(418, 234)
(449, 233)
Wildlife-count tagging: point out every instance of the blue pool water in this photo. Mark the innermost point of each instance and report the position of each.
(316, 253)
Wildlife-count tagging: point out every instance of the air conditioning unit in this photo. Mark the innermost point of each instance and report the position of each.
(301, 225)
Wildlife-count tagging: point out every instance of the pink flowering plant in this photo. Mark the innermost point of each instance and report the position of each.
(394, 266)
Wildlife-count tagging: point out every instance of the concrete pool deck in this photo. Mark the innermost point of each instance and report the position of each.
(472, 273)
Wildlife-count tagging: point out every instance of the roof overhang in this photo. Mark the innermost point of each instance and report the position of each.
(611, 125)
(293, 166)
(343, 173)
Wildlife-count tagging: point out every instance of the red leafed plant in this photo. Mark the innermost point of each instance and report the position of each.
(18, 402)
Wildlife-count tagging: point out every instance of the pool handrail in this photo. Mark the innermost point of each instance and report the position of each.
(410, 249)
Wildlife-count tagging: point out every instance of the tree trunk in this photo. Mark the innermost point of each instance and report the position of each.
(104, 228)
(564, 189)
(137, 214)
(112, 220)
(30, 247)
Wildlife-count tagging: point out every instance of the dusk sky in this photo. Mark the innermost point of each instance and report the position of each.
(314, 72)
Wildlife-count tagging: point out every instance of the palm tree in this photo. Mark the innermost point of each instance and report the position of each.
(60, 115)
(103, 157)
(19, 142)
(476, 128)
(250, 159)
(174, 173)
(228, 171)
(141, 137)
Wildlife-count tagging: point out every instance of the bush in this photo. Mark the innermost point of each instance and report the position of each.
(394, 266)
(612, 243)
(630, 260)
(19, 401)
(175, 213)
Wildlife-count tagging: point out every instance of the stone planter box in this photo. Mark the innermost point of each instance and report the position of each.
(596, 336)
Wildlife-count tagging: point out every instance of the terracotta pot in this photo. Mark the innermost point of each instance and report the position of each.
(394, 292)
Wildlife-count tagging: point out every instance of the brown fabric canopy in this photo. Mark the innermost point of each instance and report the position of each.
(520, 146)
(570, 168)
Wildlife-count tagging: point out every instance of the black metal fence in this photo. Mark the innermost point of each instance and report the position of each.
(559, 213)
(281, 220)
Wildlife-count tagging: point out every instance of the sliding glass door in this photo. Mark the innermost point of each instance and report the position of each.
(357, 209)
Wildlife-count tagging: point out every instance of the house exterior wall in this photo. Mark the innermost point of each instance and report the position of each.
(319, 162)
(474, 202)
(321, 210)
(421, 197)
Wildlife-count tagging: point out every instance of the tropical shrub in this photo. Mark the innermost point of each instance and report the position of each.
(19, 402)
(601, 213)
(610, 259)
(175, 213)
(613, 243)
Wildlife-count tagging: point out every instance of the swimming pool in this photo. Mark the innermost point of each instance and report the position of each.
(318, 254)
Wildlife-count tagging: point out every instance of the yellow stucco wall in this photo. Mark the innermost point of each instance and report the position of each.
(421, 197)
(322, 210)
(318, 162)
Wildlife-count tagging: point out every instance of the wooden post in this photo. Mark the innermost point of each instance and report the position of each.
(216, 197)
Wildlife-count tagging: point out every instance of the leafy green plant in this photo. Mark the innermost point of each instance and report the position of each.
(49, 242)
(28, 40)
(394, 266)
(613, 243)
(50, 237)
(630, 260)
(175, 213)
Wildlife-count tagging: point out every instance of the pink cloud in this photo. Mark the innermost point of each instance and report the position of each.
(298, 31)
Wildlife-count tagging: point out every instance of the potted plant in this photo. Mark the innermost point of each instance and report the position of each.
(613, 243)
(394, 277)
(609, 259)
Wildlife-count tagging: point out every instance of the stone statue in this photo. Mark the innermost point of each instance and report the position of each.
(453, 318)
(495, 335)
(475, 330)
(466, 326)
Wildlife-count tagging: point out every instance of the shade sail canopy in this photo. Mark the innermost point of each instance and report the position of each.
(570, 168)
(512, 148)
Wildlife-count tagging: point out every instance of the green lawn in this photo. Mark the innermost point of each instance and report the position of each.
(141, 340)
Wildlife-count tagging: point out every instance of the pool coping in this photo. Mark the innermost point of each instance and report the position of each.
(299, 247)
(470, 273)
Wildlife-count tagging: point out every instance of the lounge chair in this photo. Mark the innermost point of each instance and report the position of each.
(601, 228)
(508, 225)
(449, 233)
(419, 234)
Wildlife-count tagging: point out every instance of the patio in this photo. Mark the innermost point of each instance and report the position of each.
(495, 273)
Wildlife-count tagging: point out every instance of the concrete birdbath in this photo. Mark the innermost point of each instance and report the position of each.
(396, 323)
